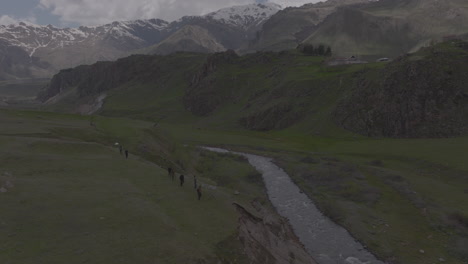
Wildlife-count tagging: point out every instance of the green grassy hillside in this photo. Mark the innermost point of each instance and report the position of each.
(68, 195)
(20, 92)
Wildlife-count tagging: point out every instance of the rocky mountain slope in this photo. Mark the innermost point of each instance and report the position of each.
(188, 38)
(289, 27)
(40, 51)
(391, 28)
(384, 28)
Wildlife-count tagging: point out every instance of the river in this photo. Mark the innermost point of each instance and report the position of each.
(325, 241)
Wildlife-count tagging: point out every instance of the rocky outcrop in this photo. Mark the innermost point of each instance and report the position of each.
(203, 97)
(419, 95)
(269, 239)
(91, 80)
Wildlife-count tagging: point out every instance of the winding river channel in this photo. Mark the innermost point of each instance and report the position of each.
(326, 242)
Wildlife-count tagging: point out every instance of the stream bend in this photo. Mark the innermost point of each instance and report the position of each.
(325, 241)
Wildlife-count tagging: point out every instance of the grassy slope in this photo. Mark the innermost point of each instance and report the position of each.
(17, 93)
(76, 199)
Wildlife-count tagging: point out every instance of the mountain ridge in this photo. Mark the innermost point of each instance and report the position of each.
(269, 91)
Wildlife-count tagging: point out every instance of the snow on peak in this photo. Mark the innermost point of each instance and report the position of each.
(32, 37)
(245, 15)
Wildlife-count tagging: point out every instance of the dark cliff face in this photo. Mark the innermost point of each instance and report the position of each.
(90, 80)
(419, 95)
(203, 97)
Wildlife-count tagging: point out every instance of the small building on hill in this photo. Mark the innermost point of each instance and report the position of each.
(382, 59)
(344, 61)
(451, 38)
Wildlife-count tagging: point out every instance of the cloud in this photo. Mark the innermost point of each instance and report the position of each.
(286, 3)
(8, 20)
(95, 12)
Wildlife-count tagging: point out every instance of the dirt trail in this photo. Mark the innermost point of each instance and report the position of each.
(327, 242)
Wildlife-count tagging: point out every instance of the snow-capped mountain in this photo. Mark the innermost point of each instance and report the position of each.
(46, 49)
(56, 48)
(32, 37)
(245, 16)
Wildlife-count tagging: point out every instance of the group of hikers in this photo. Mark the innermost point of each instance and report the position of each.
(171, 174)
(123, 151)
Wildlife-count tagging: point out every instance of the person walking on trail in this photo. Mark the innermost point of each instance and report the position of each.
(199, 192)
(126, 154)
(195, 182)
(181, 178)
(120, 149)
(169, 171)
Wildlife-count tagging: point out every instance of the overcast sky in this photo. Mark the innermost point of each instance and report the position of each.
(73, 13)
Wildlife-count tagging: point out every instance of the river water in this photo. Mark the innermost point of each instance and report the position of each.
(325, 241)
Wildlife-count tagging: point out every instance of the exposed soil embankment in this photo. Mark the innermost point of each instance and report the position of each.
(269, 239)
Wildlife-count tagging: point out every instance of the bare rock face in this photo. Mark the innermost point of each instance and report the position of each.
(270, 239)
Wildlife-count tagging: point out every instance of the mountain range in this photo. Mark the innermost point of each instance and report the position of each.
(365, 28)
(28, 50)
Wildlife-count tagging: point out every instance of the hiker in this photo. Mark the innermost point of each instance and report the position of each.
(195, 182)
(121, 149)
(199, 192)
(169, 171)
(181, 178)
(126, 154)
